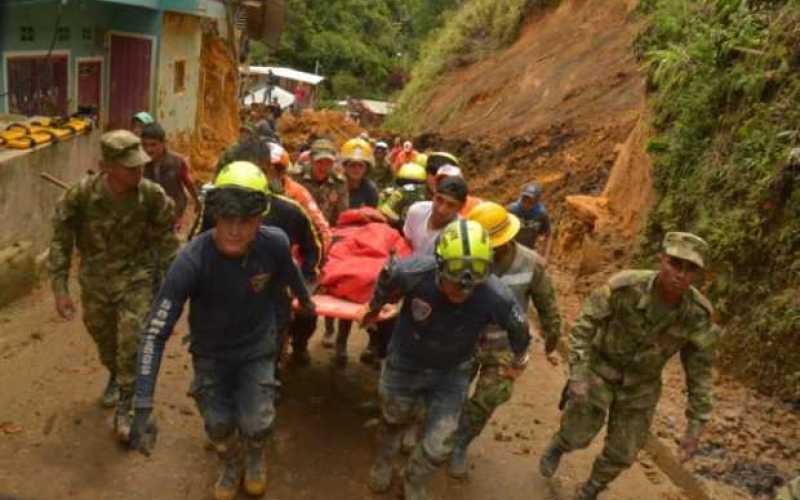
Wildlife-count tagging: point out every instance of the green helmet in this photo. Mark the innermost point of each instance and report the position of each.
(464, 253)
(240, 189)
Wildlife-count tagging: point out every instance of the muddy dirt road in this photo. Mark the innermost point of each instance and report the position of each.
(55, 441)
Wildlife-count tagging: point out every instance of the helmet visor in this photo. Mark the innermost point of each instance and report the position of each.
(467, 272)
(236, 201)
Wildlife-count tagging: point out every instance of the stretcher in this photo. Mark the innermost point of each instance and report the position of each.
(329, 306)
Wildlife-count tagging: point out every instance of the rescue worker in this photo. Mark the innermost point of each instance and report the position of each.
(116, 220)
(409, 188)
(168, 170)
(534, 218)
(627, 331)
(426, 219)
(275, 163)
(329, 190)
(357, 160)
(356, 157)
(232, 276)
(436, 161)
(139, 120)
(381, 172)
(448, 300)
(453, 171)
(522, 270)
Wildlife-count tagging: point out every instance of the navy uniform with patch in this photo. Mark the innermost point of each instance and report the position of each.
(232, 323)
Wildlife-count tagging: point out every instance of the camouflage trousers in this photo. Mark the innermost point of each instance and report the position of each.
(115, 322)
(492, 389)
(630, 412)
(791, 491)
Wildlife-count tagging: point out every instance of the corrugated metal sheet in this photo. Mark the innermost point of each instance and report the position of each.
(130, 78)
(288, 73)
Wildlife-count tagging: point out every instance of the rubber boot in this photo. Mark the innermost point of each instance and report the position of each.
(230, 469)
(368, 356)
(110, 393)
(548, 464)
(380, 475)
(255, 470)
(122, 415)
(589, 490)
(411, 437)
(417, 475)
(458, 467)
(327, 337)
(340, 357)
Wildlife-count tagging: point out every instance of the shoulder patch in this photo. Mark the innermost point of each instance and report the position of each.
(701, 300)
(628, 278)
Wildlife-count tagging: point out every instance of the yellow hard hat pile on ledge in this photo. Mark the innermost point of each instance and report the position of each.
(42, 131)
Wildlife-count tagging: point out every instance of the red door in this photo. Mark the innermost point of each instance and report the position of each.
(89, 78)
(130, 79)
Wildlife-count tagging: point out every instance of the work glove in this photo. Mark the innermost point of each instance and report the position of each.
(307, 309)
(144, 431)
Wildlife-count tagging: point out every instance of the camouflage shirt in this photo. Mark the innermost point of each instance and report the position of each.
(626, 336)
(331, 195)
(394, 201)
(119, 241)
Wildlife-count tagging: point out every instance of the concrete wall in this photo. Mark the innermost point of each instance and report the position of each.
(181, 40)
(26, 200)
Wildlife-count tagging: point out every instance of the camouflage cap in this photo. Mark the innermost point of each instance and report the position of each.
(123, 148)
(686, 246)
(323, 148)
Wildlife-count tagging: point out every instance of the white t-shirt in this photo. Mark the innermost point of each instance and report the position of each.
(416, 230)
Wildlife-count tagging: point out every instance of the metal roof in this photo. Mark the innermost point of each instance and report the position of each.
(280, 72)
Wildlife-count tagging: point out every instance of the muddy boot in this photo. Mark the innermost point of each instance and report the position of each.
(380, 475)
(340, 357)
(328, 337)
(110, 393)
(458, 467)
(410, 438)
(122, 415)
(230, 470)
(368, 356)
(417, 475)
(300, 356)
(589, 491)
(255, 470)
(551, 457)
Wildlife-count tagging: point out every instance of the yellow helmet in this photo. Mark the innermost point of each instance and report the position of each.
(421, 159)
(241, 188)
(501, 225)
(357, 150)
(411, 172)
(464, 253)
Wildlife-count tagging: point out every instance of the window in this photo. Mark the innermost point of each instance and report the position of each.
(37, 85)
(63, 33)
(26, 34)
(86, 34)
(180, 76)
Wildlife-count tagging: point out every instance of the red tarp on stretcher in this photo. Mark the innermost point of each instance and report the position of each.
(362, 242)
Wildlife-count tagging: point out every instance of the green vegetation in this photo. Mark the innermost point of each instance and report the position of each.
(364, 47)
(725, 76)
(476, 29)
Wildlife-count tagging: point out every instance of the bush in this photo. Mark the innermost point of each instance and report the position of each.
(726, 100)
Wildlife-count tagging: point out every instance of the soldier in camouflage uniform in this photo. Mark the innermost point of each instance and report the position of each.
(117, 220)
(328, 189)
(627, 331)
(409, 188)
(791, 491)
(522, 269)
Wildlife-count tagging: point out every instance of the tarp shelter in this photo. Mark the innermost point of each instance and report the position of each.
(259, 95)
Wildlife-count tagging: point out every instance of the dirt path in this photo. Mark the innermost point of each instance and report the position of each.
(57, 444)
